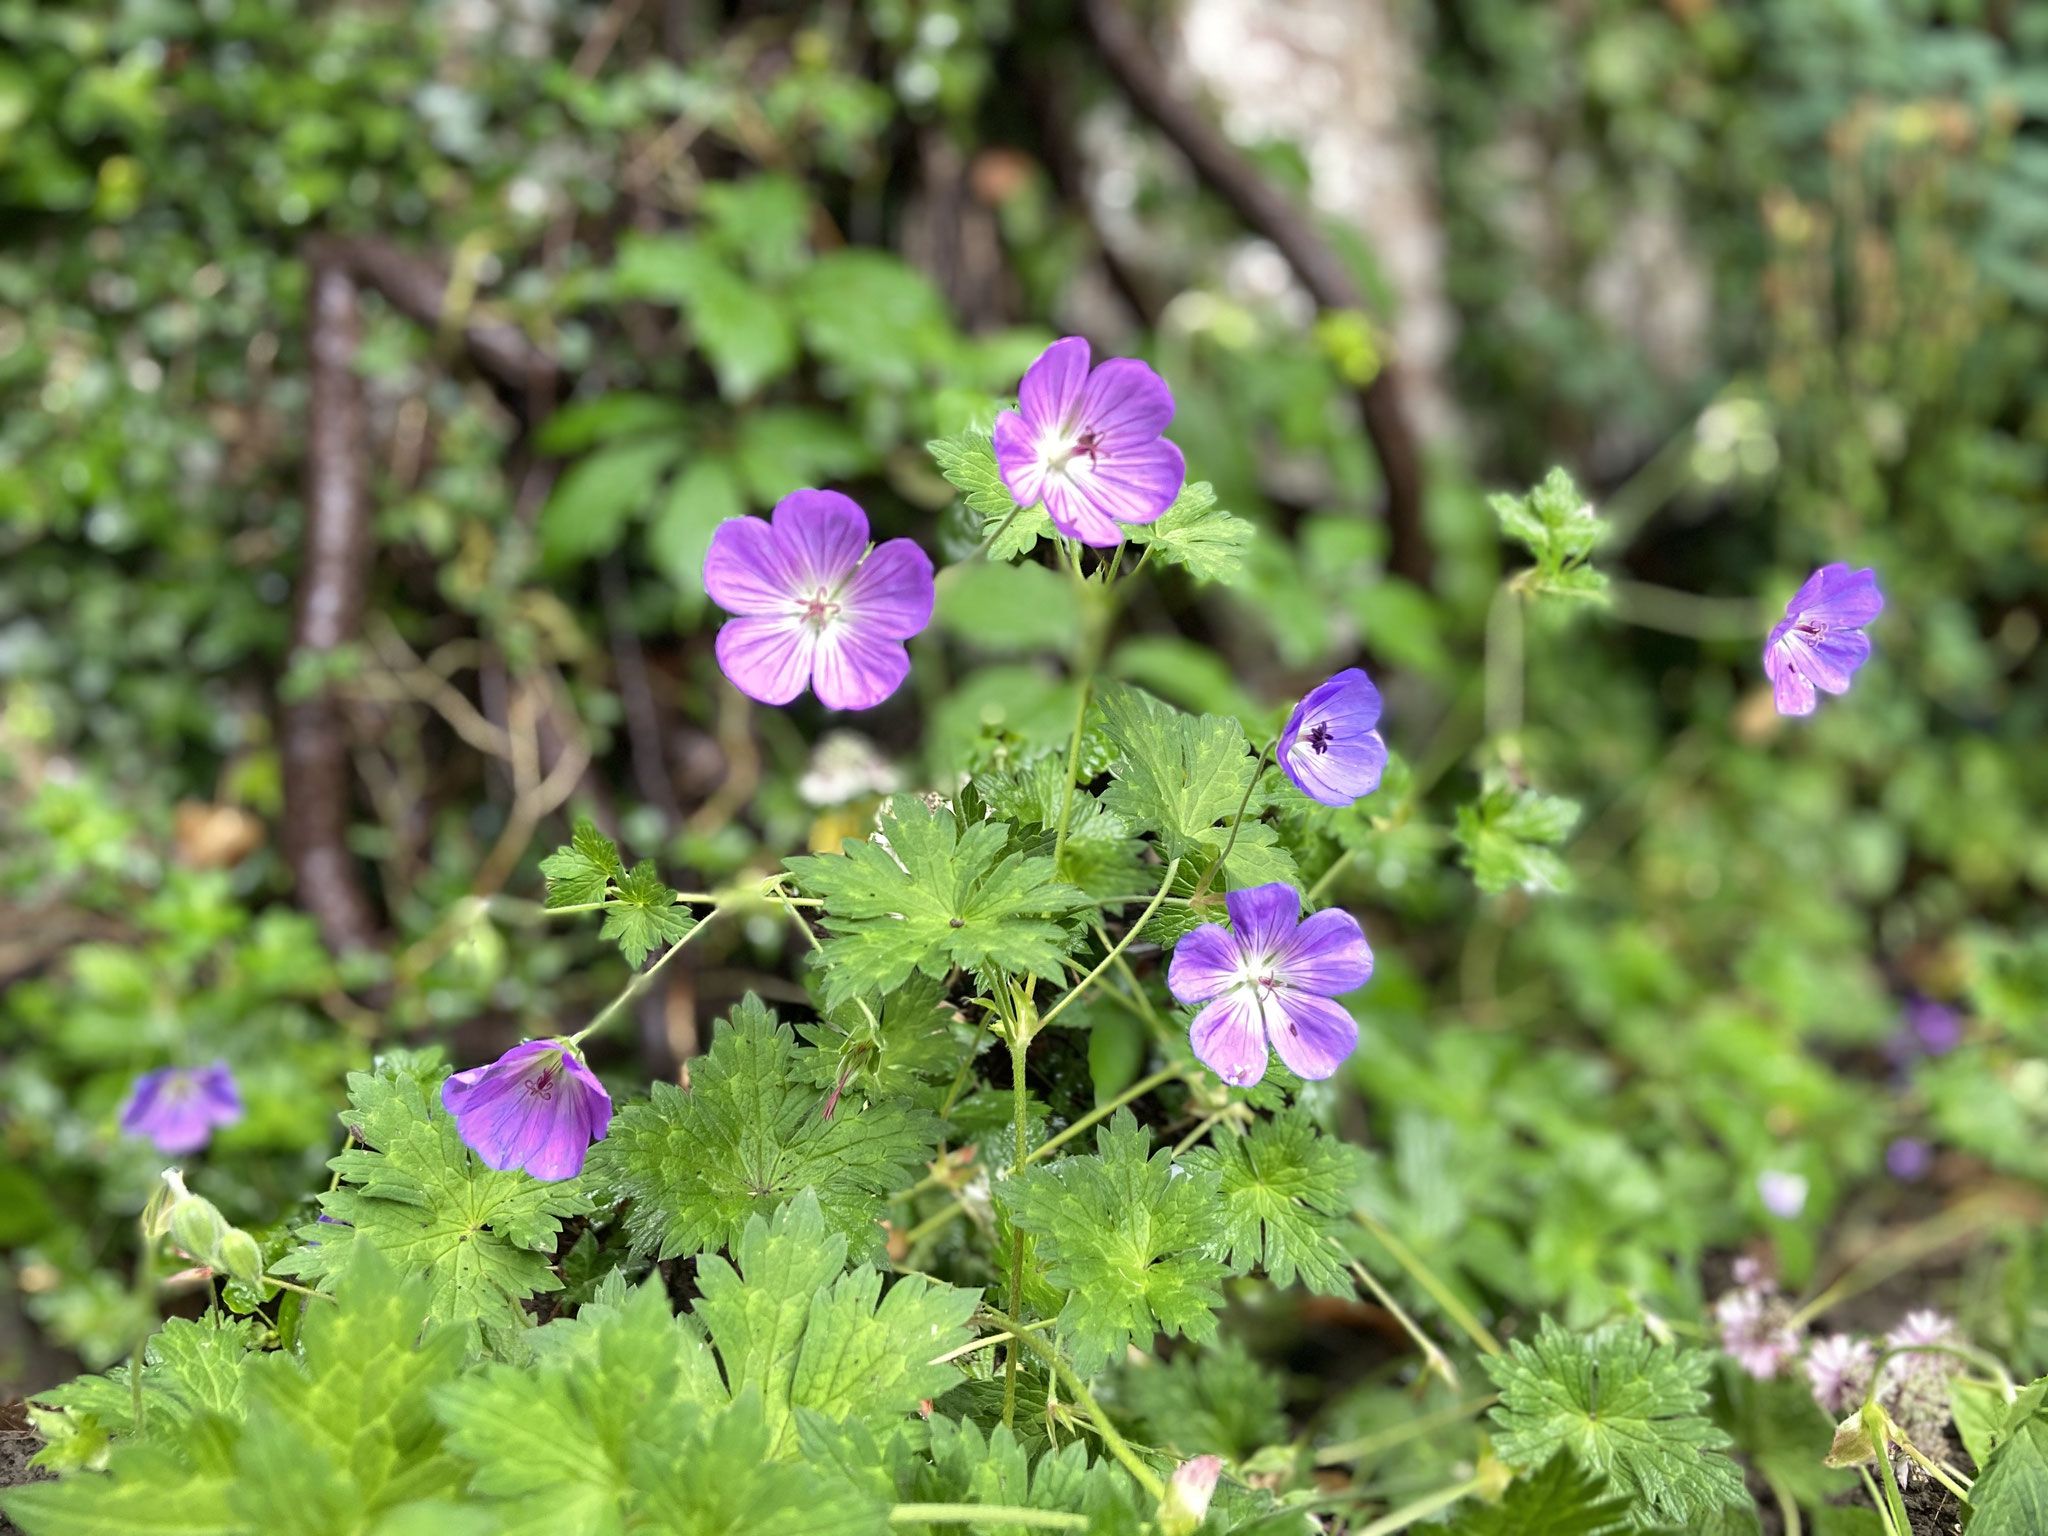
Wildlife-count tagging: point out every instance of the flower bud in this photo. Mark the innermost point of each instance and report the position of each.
(1188, 1493)
(239, 1258)
(197, 1227)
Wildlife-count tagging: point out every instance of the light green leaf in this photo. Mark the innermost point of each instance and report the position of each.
(999, 608)
(1507, 837)
(705, 494)
(746, 331)
(599, 495)
(1176, 775)
(582, 872)
(2010, 1497)
(969, 463)
(644, 916)
(1198, 535)
(1285, 1185)
(1561, 1498)
(787, 448)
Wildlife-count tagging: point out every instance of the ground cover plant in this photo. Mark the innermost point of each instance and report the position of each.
(741, 796)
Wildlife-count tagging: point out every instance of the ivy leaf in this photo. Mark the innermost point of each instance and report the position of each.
(1196, 534)
(969, 464)
(1508, 838)
(933, 898)
(746, 1137)
(644, 916)
(1128, 1238)
(583, 871)
(415, 1193)
(1561, 1498)
(1560, 528)
(1176, 774)
(1626, 1407)
(790, 1325)
(1284, 1185)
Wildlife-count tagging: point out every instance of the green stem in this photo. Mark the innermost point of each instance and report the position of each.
(1904, 1251)
(1059, 837)
(1425, 1277)
(1137, 1090)
(1117, 1446)
(1122, 944)
(1400, 1434)
(1436, 1359)
(1428, 1504)
(932, 1224)
(986, 1514)
(641, 981)
(1002, 528)
(1019, 1046)
(1315, 892)
(1788, 1506)
(1209, 876)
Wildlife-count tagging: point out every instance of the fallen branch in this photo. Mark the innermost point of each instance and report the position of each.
(333, 576)
(1316, 263)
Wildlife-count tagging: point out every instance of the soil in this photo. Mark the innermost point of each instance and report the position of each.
(17, 1444)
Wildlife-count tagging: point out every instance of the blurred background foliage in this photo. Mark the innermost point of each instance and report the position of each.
(1768, 277)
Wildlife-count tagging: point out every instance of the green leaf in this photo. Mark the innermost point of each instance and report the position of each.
(1214, 1401)
(933, 898)
(415, 1193)
(582, 872)
(762, 220)
(746, 331)
(1508, 835)
(189, 1369)
(790, 1325)
(724, 1481)
(1128, 1238)
(1626, 1407)
(1560, 528)
(902, 1046)
(1004, 608)
(705, 494)
(969, 463)
(872, 317)
(582, 424)
(744, 1138)
(1179, 775)
(644, 916)
(598, 495)
(1101, 857)
(787, 448)
(1284, 1185)
(1197, 535)
(555, 1441)
(1560, 1498)
(2010, 1497)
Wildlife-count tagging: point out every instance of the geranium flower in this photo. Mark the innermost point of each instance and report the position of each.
(536, 1107)
(1783, 1194)
(1755, 1323)
(178, 1108)
(1268, 980)
(815, 606)
(1087, 445)
(1838, 1369)
(1819, 643)
(1329, 748)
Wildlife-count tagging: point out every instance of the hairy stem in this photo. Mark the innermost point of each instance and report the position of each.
(1137, 1090)
(1118, 1447)
(1210, 874)
(1435, 1359)
(1122, 944)
(1019, 1045)
(641, 981)
(1428, 1504)
(1400, 1434)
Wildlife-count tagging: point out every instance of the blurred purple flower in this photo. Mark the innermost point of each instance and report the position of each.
(178, 1107)
(536, 1107)
(1783, 1194)
(1838, 1369)
(1909, 1158)
(814, 605)
(1935, 1027)
(1329, 748)
(1087, 445)
(1756, 1329)
(1268, 980)
(1819, 643)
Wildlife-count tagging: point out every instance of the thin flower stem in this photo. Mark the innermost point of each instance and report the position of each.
(1425, 1277)
(1143, 1004)
(1323, 881)
(1137, 1090)
(1434, 1357)
(1400, 1434)
(1236, 821)
(1122, 944)
(932, 1224)
(1902, 1252)
(302, 1290)
(1115, 1443)
(641, 981)
(1895, 1503)
(1428, 1504)
(985, 1514)
(1877, 1502)
(1002, 528)
(966, 1067)
(1202, 1128)
(1788, 1506)
(1019, 1046)
(988, 1339)
(1059, 838)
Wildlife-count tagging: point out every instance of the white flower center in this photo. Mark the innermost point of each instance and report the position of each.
(820, 609)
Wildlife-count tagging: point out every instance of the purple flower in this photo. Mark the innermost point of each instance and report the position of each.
(1268, 979)
(1783, 1194)
(536, 1107)
(1838, 1369)
(1756, 1330)
(1936, 1028)
(815, 605)
(1330, 749)
(1819, 643)
(178, 1107)
(1909, 1158)
(1087, 445)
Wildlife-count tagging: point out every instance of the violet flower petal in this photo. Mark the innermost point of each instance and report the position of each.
(1126, 404)
(536, 1107)
(767, 659)
(1229, 1038)
(1206, 963)
(1312, 1034)
(1134, 484)
(1329, 748)
(1818, 644)
(825, 534)
(1263, 918)
(748, 569)
(1327, 955)
(178, 1109)
(1023, 469)
(855, 669)
(1839, 597)
(890, 593)
(1053, 386)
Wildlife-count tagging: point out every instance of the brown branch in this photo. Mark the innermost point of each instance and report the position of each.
(333, 576)
(1321, 270)
(636, 693)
